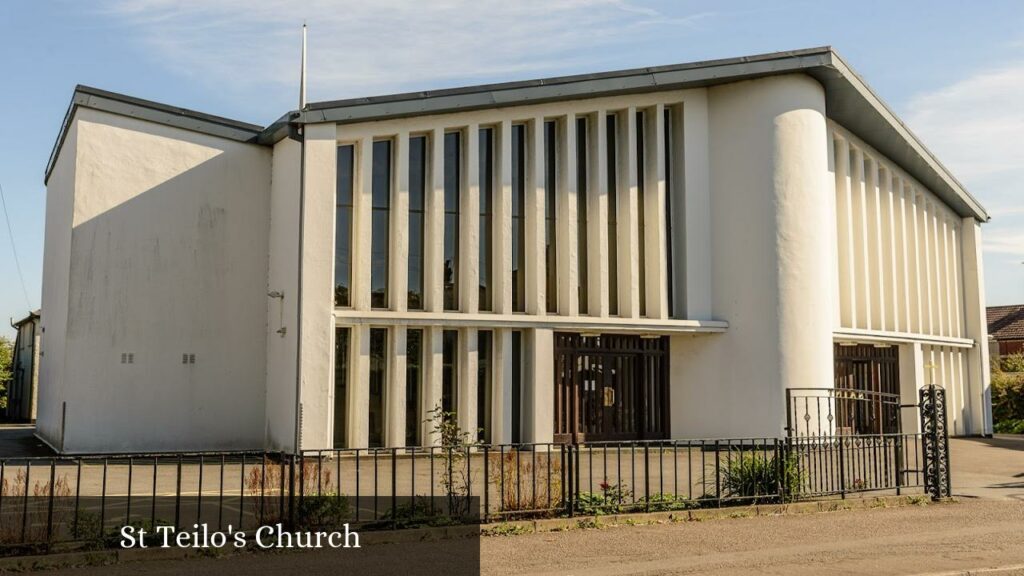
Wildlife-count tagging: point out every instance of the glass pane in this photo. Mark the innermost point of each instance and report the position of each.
(613, 214)
(486, 159)
(581, 211)
(340, 385)
(449, 370)
(517, 386)
(417, 193)
(343, 226)
(641, 173)
(413, 380)
(378, 377)
(380, 225)
(483, 382)
(551, 192)
(452, 183)
(668, 210)
(379, 259)
(518, 220)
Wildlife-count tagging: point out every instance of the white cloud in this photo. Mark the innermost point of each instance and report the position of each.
(976, 126)
(366, 48)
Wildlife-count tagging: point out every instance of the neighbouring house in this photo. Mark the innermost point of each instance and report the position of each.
(694, 250)
(1006, 326)
(23, 388)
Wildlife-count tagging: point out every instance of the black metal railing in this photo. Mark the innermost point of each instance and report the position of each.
(44, 501)
(841, 412)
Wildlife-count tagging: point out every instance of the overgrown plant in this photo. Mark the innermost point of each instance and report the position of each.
(526, 481)
(761, 478)
(455, 445)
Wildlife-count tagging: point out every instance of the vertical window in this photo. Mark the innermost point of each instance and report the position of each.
(550, 194)
(417, 195)
(668, 210)
(613, 213)
(340, 385)
(449, 370)
(381, 215)
(486, 159)
(517, 385)
(641, 172)
(485, 339)
(518, 220)
(413, 383)
(343, 226)
(581, 211)
(378, 377)
(452, 183)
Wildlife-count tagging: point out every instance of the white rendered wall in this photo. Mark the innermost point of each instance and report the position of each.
(283, 277)
(770, 220)
(56, 272)
(166, 258)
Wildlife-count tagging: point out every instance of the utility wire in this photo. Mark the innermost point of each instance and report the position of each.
(17, 263)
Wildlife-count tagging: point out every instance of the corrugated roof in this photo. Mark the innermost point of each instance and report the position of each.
(1006, 322)
(849, 101)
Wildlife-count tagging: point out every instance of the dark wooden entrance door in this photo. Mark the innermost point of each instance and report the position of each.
(610, 387)
(867, 385)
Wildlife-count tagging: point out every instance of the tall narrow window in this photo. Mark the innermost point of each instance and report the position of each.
(381, 224)
(417, 195)
(485, 338)
(550, 194)
(668, 210)
(518, 217)
(413, 383)
(641, 172)
(452, 183)
(517, 385)
(486, 159)
(613, 213)
(449, 370)
(340, 385)
(378, 377)
(581, 211)
(343, 226)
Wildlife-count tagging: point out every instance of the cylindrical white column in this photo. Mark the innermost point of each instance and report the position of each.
(794, 114)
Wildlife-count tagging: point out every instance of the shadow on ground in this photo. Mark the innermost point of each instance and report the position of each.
(18, 441)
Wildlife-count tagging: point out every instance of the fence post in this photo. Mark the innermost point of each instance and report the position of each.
(486, 483)
(571, 477)
(842, 466)
(647, 479)
(935, 442)
(291, 490)
(898, 461)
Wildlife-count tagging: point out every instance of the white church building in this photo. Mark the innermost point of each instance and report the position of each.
(672, 252)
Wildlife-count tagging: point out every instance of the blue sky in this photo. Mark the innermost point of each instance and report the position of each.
(954, 71)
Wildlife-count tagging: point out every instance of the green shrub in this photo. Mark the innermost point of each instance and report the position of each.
(1007, 396)
(1013, 362)
(761, 477)
(609, 501)
(1009, 427)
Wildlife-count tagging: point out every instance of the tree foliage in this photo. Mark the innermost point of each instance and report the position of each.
(6, 367)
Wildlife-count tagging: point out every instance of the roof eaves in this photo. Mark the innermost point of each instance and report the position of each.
(94, 98)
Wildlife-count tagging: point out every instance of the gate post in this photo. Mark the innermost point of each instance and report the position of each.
(935, 442)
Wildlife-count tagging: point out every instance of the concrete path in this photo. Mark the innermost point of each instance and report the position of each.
(990, 468)
(17, 440)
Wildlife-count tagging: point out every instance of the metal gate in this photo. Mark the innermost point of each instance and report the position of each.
(610, 387)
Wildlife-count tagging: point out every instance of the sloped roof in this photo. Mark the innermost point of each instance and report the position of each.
(849, 101)
(1006, 322)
